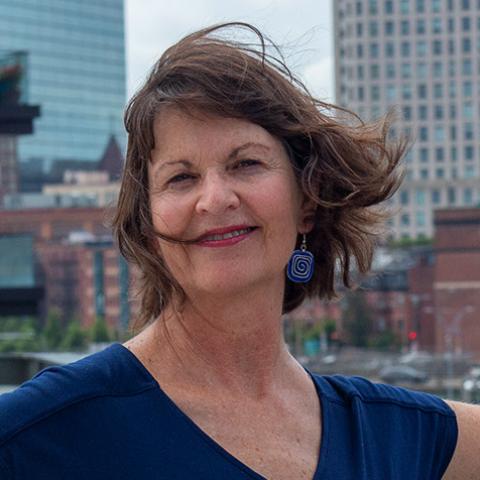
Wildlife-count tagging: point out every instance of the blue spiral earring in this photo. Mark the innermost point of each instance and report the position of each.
(301, 264)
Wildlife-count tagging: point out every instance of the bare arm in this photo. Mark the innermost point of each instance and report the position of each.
(465, 463)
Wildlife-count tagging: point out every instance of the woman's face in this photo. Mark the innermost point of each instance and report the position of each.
(229, 185)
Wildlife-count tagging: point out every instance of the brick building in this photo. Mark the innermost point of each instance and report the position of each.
(82, 272)
(456, 285)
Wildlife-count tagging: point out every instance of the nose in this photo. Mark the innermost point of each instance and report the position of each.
(217, 195)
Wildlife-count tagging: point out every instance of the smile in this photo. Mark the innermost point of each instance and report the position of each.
(225, 239)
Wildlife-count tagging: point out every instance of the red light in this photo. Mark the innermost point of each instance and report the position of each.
(412, 336)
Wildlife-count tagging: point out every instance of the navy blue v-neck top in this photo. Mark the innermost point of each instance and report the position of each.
(106, 417)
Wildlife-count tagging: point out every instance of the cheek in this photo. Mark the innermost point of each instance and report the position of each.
(168, 217)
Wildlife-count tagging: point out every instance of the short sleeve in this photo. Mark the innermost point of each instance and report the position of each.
(445, 447)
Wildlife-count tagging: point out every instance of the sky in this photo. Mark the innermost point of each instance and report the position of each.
(302, 28)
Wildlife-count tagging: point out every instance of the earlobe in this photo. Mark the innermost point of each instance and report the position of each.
(307, 216)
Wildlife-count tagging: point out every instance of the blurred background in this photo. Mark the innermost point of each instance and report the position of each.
(67, 68)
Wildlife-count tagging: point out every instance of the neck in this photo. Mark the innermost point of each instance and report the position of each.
(229, 344)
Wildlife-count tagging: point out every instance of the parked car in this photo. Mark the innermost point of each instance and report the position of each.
(401, 374)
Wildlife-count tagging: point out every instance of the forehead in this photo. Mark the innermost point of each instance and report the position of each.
(176, 131)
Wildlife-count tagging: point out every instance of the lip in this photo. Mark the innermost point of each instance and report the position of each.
(227, 241)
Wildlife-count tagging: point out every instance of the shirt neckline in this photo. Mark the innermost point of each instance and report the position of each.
(325, 425)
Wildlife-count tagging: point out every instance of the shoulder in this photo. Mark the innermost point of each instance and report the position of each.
(400, 422)
(344, 389)
(465, 463)
(57, 388)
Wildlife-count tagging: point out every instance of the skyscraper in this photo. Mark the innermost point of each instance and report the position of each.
(422, 57)
(76, 73)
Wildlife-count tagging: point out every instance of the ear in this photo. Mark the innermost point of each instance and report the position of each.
(306, 219)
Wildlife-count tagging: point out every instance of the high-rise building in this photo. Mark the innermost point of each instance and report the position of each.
(422, 57)
(76, 73)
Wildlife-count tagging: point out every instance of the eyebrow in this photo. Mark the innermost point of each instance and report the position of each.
(232, 154)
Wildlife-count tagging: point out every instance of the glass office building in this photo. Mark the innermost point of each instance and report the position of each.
(76, 73)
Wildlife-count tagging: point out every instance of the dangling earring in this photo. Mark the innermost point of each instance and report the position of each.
(301, 264)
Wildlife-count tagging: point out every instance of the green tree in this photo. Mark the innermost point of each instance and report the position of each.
(76, 338)
(53, 331)
(99, 332)
(357, 319)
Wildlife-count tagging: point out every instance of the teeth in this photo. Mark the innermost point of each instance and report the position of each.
(235, 233)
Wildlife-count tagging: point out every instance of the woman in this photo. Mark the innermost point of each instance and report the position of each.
(231, 167)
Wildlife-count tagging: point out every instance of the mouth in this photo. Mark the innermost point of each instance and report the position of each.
(225, 236)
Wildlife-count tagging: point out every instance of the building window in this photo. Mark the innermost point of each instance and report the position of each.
(438, 69)
(451, 46)
(467, 67)
(421, 48)
(389, 28)
(439, 157)
(439, 173)
(451, 68)
(437, 47)
(404, 197)
(422, 70)
(421, 29)
(391, 93)
(373, 7)
(437, 25)
(405, 27)
(420, 6)
(374, 50)
(424, 155)
(451, 25)
(453, 172)
(466, 45)
(390, 70)
(373, 26)
(453, 154)
(407, 112)
(438, 90)
(468, 196)
(420, 196)
(469, 152)
(439, 134)
(436, 6)
(468, 131)
(467, 89)
(388, 6)
(359, 8)
(423, 112)
(406, 91)
(360, 94)
(465, 4)
(420, 218)
(452, 196)
(359, 29)
(424, 174)
(436, 198)
(405, 219)
(359, 51)
(423, 134)
(469, 171)
(375, 71)
(438, 112)
(405, 49)
(404, 6)
(406, 70)
(453, 132)
(468, 110)
(453, 111)
(422, 91)
(375, 92)
(466, 24)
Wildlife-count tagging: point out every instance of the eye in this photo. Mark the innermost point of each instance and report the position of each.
(247, 163)
(180, 178)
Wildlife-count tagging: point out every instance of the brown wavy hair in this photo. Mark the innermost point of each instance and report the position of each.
(346, 167)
